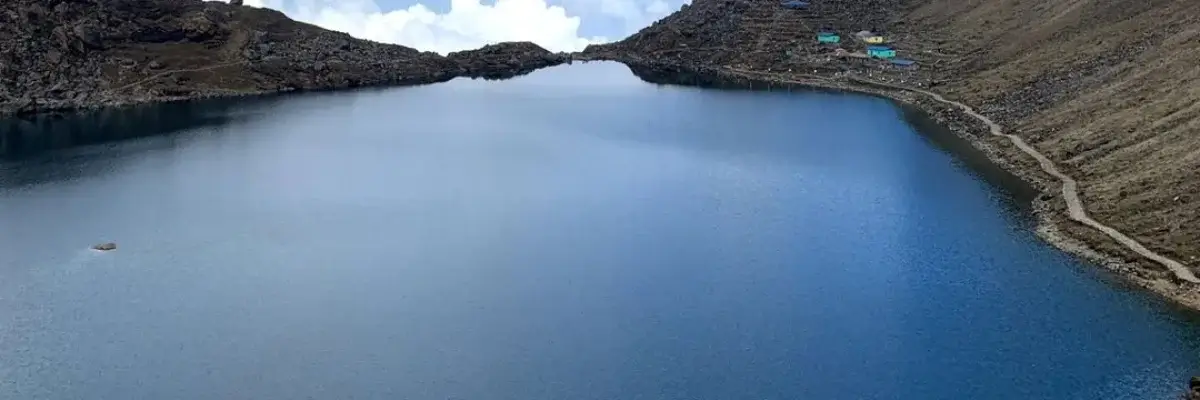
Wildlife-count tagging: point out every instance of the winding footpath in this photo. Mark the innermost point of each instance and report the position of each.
(174, 71)
(1070, 187)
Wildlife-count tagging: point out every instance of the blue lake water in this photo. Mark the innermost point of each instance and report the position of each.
(571, 234)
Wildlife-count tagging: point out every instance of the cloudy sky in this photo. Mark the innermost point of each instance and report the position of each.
(450, 25)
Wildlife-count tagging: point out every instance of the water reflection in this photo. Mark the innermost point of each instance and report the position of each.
(57, 147)
(24, 137)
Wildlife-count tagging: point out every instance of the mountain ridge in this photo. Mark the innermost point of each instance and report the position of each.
(64, 55)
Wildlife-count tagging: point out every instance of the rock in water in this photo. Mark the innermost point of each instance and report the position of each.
(1193, 389)
(105, 246)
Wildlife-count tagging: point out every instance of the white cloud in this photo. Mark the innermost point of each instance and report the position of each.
(658, 9)
(634, 14)
(469, 24)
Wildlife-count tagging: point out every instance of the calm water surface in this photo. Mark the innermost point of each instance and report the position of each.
(572, 234)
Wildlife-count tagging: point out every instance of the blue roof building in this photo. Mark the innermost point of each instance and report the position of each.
(828, 37)
(881, 52)
(795, 4)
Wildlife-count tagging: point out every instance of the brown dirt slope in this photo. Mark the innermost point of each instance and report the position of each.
(1108, 89)
(62, 54)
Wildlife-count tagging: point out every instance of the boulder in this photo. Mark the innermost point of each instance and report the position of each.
(54, 57)
(1193, 392)
(235, 2)
(199, 27)
(89, 35)
(105, 246)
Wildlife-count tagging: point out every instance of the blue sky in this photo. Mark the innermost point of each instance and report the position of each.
(451, 25)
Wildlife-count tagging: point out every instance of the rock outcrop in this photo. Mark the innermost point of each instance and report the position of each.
(505, 60)
(69, 54)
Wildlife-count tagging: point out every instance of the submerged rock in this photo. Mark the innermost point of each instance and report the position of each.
(105, 246)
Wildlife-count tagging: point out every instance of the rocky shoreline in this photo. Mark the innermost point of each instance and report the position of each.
(1092, 114)
(58, 56)
(1048, 207)
(191, 49)
(1095, 89)
(506, 60)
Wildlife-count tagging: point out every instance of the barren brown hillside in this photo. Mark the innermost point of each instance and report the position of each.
(1106, 88)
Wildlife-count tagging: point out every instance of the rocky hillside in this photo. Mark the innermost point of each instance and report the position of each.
(62, 54)
(754, 34)
(1106, 88)
(518, 57)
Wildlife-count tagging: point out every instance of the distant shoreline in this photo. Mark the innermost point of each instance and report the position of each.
(69, 108)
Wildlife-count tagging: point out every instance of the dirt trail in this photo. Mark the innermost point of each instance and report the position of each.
(174, 71)
(1070, 190)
